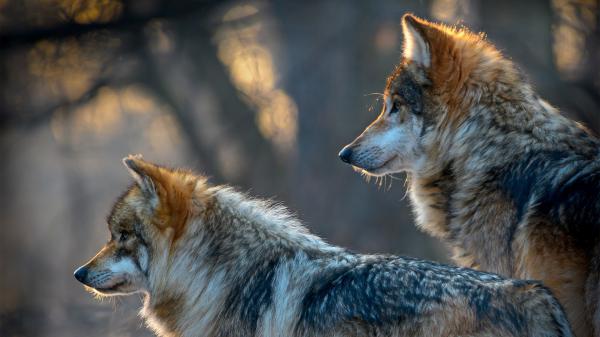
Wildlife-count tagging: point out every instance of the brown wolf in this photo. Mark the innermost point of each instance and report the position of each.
(493, 170)
(213, 262)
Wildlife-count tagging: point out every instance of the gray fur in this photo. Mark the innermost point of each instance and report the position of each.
(241, 267)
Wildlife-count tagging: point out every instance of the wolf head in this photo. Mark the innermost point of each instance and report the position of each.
(144, 224)
(444, 73)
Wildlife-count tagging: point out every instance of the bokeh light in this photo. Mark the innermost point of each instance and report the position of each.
(253, 72)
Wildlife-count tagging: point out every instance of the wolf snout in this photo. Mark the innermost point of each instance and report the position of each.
(81, 274)
(346, 154)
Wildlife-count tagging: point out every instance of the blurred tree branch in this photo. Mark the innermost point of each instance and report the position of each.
(46, 115)
(186, 122)
(127, 20)
(153, 77)
(240, 124)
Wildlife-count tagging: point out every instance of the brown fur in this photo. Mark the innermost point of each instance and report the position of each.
(168, 310)
(552, 257)
(494, 171)
(242, 267)
(480, 63)
(175, 190)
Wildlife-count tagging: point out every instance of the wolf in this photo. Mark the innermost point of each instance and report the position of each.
(211, 261)
(493, 170)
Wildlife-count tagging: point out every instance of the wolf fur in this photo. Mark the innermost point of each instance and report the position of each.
(213, 262)
(499, 174)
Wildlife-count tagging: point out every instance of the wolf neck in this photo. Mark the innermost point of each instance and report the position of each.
(259, 224)
(231, 251)
(457, 191)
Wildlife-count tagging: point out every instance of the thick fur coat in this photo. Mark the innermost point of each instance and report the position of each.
(496, 172)
(213, 262)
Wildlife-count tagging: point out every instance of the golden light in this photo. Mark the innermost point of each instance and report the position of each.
(135, 100)
(90, 11)
(567, 48)
(252, 70)
(67, 68)
(163, 133)
(278, 119)
(444, 10)
(453, 11)
(575, 21)
(99, 118)
(239, 12)
(102, 117)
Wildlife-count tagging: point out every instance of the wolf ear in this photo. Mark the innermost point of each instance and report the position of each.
(416, 46)
(143, 173)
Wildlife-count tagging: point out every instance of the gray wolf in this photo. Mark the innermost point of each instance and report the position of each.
(493, 170)
(210, 261)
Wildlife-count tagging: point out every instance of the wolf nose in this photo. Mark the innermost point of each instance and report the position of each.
(80, 274)
(345, 154)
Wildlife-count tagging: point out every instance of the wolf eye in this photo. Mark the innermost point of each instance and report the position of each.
(123, 236)
(395, 107)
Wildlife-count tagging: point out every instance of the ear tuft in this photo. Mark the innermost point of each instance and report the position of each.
(130, 160)
(139, 170)
(416, 46)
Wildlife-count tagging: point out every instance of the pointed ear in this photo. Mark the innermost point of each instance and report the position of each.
(416, 46)
(143, 173)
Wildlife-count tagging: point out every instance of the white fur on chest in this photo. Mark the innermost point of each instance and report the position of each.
(428, 218)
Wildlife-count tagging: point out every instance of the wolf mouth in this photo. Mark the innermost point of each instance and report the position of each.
(371, 170)
(112, 288)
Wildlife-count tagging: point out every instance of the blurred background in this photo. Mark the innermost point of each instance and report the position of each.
(258, 94)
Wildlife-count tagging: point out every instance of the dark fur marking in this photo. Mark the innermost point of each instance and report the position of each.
(570, 200)
(574, 204)
(411, 92)
(522, 179)
(250, 297)
(527, 175)
(383, 291)
(121, 252)
(119, 203)
(444, 185)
